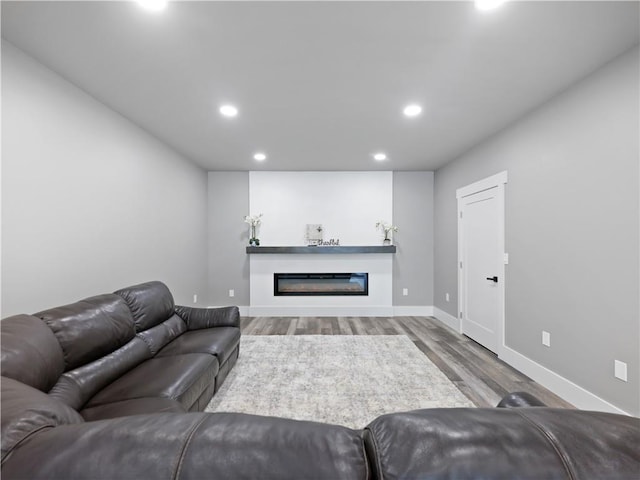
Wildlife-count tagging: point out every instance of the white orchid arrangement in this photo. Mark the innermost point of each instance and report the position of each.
(253, 221)
(386, 228)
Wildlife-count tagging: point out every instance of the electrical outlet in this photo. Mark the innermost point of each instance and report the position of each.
(620, 370)
(195, 298)
(232, 293)
(405, 291)
(446, 297)
(546, 339)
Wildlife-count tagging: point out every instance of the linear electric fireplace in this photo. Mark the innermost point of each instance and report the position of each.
(320, 284)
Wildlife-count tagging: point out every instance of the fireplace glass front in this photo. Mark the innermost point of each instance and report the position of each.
(320, 284)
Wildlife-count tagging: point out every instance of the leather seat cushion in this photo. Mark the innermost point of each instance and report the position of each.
(181, 377)
(220, 341)
(137, 406)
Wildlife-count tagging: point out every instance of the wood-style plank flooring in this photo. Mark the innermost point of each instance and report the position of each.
(477, 372)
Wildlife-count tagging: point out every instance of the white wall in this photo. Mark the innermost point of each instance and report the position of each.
(347, 204)
(90, 202)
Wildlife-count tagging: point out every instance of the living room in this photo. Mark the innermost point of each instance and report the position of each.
(108, 180)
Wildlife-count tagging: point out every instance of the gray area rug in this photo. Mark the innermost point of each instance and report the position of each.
(345, 380)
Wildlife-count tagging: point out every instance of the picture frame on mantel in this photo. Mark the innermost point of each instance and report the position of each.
(314, 234)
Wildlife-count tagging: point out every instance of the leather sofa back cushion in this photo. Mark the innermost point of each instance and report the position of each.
(91, 328)
(26, 411)
(503, 443)
(593, 444)
(150, 303)
(251, 446)
(30, 352)
(193, 446)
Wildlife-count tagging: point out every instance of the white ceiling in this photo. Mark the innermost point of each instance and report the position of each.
(321, 85)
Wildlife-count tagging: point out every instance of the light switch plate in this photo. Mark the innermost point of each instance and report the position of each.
(546, 339)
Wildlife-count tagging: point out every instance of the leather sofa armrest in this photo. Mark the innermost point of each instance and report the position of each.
(520, 399)
(198, 318)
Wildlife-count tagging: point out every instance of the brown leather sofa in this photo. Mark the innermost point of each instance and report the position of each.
(124, 353)
(109, 388)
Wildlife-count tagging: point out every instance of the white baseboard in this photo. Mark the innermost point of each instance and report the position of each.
(336, 311)
(413, 311)
(449, 320)
(572, 393)
(320, 311)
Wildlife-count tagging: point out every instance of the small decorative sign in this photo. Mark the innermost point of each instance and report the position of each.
(334, 242)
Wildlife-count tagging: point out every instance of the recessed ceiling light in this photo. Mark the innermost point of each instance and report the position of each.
(379, 156)
(153, 5)
(412, 110)
(488, 4)
(260, 156)
(228, 110)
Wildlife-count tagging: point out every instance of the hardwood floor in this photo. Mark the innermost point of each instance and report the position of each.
(477, 372)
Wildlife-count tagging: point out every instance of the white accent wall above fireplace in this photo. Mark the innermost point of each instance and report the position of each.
(347, 205)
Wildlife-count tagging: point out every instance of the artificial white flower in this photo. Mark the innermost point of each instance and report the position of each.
(253, 220)
(386, 227)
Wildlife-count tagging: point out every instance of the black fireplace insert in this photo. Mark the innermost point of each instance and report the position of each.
(320, 284)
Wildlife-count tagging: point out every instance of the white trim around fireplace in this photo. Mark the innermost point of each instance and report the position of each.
(377, 303)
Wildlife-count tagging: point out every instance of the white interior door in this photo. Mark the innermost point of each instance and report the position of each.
(481, 252)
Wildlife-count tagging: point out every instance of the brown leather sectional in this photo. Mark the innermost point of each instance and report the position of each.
(113, 387)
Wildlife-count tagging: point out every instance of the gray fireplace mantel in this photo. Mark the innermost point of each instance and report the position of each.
(324, 250)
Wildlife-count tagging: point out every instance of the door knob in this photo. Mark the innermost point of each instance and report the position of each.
(494, 279)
